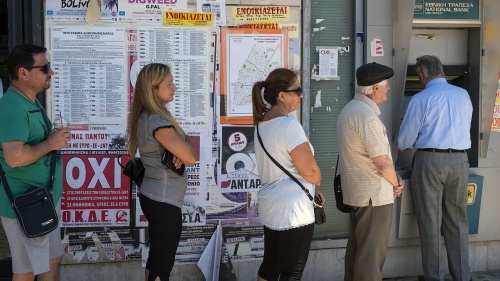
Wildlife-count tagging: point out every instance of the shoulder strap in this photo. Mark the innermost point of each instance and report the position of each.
(53, 156)
(44, 117)
(338, 156)
(6, 186)
(53, 153)
(306, 191)
(52, 177)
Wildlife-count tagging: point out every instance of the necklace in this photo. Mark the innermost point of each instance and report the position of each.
(280, 111)
(274, 112)
(19, 90)
(46, 127)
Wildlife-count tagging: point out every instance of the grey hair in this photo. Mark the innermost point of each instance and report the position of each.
(430, 66)
(367, 90)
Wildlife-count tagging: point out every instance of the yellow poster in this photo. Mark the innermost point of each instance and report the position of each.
(495, 124)
(188, 18)
(471, 193)
(292, 28)
(260, 13)
(260, 25)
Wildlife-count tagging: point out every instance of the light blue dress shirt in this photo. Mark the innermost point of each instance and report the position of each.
(437, 117)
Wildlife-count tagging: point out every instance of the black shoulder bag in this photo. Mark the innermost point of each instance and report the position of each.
(134, 169)
(337, 188)
(35, 209)
(319, 212)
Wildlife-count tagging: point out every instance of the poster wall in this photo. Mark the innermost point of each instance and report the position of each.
(111, 10)
(95, 71)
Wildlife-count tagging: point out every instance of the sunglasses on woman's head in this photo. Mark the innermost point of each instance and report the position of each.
(44, 68)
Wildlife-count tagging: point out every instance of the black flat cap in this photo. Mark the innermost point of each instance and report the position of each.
(373, 73)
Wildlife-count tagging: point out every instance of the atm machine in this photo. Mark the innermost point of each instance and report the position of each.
(452, 31)
(455, 38)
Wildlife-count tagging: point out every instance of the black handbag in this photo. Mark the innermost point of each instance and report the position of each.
(134, 169)
(339, 197)
(35, 209)
(319, 212)
(167, 161)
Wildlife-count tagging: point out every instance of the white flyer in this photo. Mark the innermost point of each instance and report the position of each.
(218, 7)
(88, 87)
(149, 10)
(187, 51)
(328, 62)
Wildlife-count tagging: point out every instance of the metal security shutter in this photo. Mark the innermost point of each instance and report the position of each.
(25, 26)
(329, 23)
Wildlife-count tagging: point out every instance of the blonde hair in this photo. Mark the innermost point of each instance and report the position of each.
(146, 101)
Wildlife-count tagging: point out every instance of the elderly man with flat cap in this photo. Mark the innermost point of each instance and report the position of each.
(369, 180)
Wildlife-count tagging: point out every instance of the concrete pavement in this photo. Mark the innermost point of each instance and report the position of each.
(476, 276)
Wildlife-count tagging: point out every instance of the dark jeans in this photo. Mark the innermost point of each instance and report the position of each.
(165, 226)
(285, 253)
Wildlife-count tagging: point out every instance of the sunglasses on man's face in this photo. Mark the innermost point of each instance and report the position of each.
(298, 91)
(44, 68)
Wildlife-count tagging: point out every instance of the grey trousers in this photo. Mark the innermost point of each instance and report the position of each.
(439, 189)
(367, 245)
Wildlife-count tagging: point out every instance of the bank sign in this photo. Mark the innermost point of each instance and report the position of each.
(446, 9)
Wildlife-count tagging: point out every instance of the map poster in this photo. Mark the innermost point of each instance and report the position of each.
(247, 56)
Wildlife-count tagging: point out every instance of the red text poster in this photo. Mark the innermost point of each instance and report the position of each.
(96, 193)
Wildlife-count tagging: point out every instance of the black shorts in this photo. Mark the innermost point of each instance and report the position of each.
(285, 253)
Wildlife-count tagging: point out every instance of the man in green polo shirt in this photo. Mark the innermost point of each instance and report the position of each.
(27, 139)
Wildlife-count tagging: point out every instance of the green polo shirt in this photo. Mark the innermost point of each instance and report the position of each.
(22, 120)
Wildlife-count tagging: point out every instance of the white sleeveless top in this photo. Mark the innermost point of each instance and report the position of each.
(282, 203)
